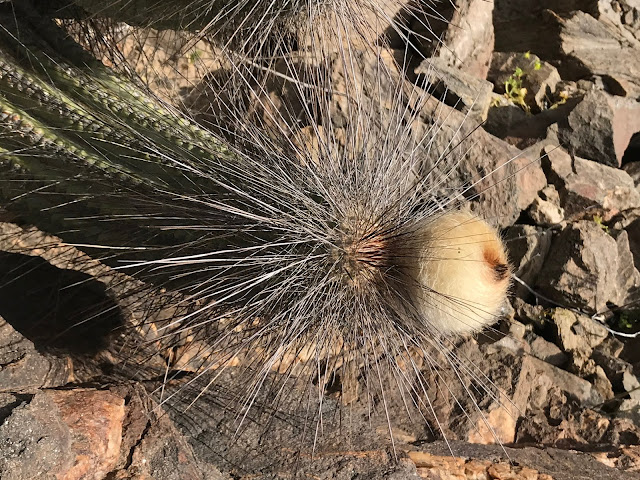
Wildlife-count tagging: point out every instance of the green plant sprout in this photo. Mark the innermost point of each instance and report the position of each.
(599, 221)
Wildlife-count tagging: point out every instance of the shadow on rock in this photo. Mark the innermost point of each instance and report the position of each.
(58, 310)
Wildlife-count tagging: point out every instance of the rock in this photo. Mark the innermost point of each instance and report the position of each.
(530, 314)
(601, 383)
(611, 346)
(530, 177)
(500, 179)
(562, 424)
(521, 129)
(628, 275)
(614, 368)
(466, 28)
(586, 186)
(456, 88)
(623, 458)
(577, 333)
(600, 127)
(520, 392)
(581, 270)
(72, 434)
(623, 432)
(551, 463)
(26, 369)
(95, 420)
(631, 385)
(573, 40)
(447, 467)
(153, 447)
(545, 209)
(508, 342)
(622, 13)
(528, 247)
(589, 46)
(633, 235)
(34, 441)
(633, 169)
(548, 352)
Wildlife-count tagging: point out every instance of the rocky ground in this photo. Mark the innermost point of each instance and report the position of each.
(556, 86)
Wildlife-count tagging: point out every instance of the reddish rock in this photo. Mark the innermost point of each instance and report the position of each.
(466, 28)
(94, 418)
(72, 435)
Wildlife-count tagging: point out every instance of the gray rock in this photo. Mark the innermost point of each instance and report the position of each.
(628, 275)
(577, 42)
(633, 169)
(548, 352)
(615, 369)
(590, 46)
(24, 368)
(528, 247)
(600, 127)
(582, 269)
(35, 442)
(586, 186)
(622, 13)
(457, 88)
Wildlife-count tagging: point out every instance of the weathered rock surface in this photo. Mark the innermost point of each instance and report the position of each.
(73, 434)
(577, 333)
(600, 127)
(457, 88)
(579, 44)
(528, 247)
(582, 268)
(587, 188)
(542, 464)
(23, 368)
(545, 209)
(467, 31)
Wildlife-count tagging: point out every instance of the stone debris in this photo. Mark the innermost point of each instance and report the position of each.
(74, 434)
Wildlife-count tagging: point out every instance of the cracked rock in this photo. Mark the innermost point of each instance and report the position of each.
(600, 127)
(587, 187)
(581, 270)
